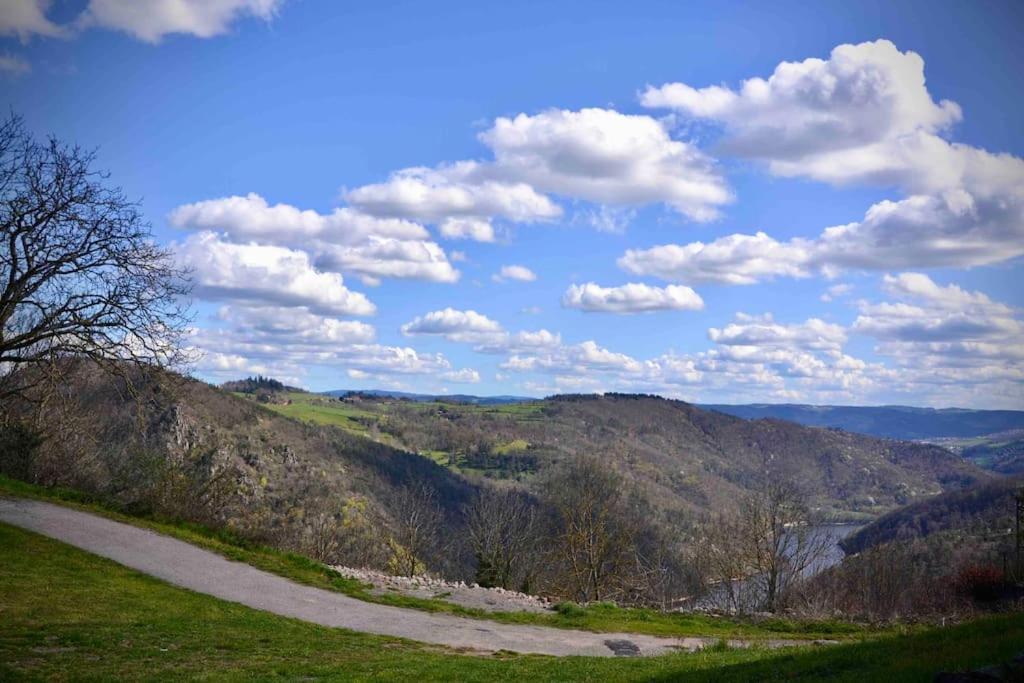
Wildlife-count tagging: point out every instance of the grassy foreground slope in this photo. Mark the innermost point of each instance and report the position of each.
(69, 615)
(602, 617)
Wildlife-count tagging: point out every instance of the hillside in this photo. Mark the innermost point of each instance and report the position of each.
(428, 398)
(894, 422)
(985, 509)
(688, 460)
(197, 452)
(1002, 453)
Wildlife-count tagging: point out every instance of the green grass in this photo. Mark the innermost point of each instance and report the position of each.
(69, 615)
(355, 418)
(514, 446)
(324, 410)
(598, 618)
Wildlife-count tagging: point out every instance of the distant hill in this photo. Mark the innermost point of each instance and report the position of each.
(430, 398)
(687, 460)
(894, 422)
(252, 385)
(1002, 452)
(985, 508)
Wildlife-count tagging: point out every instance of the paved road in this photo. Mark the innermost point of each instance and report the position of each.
(190, 567)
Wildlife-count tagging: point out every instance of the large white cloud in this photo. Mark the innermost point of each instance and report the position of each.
(862, 116)
(954, 230)
(344, 240)
(597, 155)
(27, 18)
(840, 119)
(295, 325)
(935, 313)
(736, 260)
(264, 274)
(606, 157)
(455, 325)
(764, 331)
(920, 286)
(252, 218)
(459, 190)
(631, 298)
(151, 20)
(382, 257)
(947, 344)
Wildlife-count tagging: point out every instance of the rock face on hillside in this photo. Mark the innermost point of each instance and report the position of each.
(226, 458)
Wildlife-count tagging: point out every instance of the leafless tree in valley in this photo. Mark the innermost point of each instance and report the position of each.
(504, 531)
(592, 535)
(756, 555)
(417, 529)
(781, 537)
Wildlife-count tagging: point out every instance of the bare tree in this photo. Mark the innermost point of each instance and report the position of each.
(725, 561)
(592, 534)
(782, 540)
(322, 537)
(755, 556)
(418, 521)
(503, 529)
(79, 273)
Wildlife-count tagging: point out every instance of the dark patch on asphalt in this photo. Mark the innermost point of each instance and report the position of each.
(623, 648)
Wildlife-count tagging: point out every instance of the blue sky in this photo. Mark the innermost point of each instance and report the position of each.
(626, 155)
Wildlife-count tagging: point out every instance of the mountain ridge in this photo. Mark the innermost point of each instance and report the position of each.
(888, 421)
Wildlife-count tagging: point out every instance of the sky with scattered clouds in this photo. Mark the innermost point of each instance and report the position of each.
(727, 202)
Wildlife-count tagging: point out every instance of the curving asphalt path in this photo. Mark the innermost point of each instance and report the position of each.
(202, 571)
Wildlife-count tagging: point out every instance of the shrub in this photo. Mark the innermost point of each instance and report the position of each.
(570, 610)
(980, 582)
(18, 445)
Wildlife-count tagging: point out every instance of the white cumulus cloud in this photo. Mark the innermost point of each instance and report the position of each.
(455, 325)
(258, 274)
(631, 298)
(862, 116)
(607, 157)
(463, 376)
(27, 18)
(514, 272)
(151, 20)
(453, 191)
(344, 240)
(251, 217)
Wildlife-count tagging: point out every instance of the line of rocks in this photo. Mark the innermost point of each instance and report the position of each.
(458, 592)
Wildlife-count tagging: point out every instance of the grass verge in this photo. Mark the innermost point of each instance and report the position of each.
(69, 615)
(598, 618)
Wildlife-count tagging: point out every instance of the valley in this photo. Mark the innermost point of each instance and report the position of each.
(687, 459)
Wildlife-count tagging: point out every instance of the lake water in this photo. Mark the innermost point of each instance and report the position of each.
(831, 533)
(834, 533)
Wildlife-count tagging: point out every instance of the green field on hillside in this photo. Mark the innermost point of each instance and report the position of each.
(357, 418)
(69, 615)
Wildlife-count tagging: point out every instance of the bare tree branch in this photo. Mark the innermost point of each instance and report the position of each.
(80, 275)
